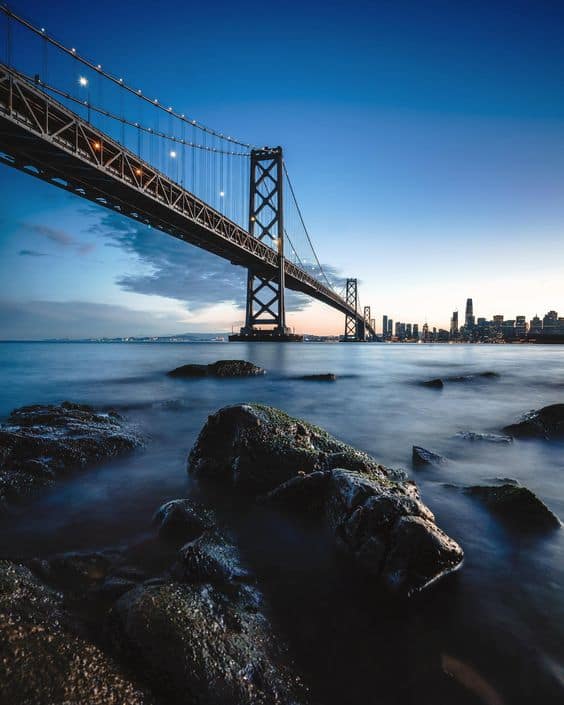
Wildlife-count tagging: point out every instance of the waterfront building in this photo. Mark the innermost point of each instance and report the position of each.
(416, 331)
(384, 327)
(454, 324)
(469, 319)
(535, 326)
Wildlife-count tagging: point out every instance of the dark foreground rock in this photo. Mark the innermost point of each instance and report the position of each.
(45, 659)
(474, 436)
(516, 505)
(221, 368)
(38, 444)
(202, 635)
(547, 423)
(181, 520)
(421, 456)
(376, 518)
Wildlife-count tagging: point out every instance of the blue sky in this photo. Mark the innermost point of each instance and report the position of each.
(425, 141)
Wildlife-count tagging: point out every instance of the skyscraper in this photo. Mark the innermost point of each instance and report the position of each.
(384, 327)
(454, 324)
(469, 319)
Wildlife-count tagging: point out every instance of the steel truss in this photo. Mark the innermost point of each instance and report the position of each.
(265, 294)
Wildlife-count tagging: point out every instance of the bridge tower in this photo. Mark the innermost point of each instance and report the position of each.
(265, 318)
(354, 329)
(366, 321)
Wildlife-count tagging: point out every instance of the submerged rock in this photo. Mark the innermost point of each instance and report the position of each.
(300, 466)
(433, 383)
(324, 377)
(547, 423)
(516, 505)
(484, 437)
(221, 368)
(45, 656)
(39, 443)
(182, 520)
(422, 456)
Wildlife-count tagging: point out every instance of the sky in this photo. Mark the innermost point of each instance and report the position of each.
(425, 143)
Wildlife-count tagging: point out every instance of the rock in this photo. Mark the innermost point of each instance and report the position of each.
(221, 368)
(516, 505)
(190, 371)
(46, 658)
(485, 437)
(301, 467)
(547, 423)
(182, 520)
(327, 377)
(433, 383)
(209, 558)
(38, 444)
(421, 456)
(212, 647)
(257, 447)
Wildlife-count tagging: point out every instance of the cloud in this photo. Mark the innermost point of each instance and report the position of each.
(31, 253)
(59, 237)
(180, 271)
(33, 320)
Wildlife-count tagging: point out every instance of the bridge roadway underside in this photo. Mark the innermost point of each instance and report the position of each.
(44, 159)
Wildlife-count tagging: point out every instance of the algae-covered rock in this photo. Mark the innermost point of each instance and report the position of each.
(516, 505)
(547, 423)
(296, 465)
(214, 648)
(45, 659)
(221, 368)
(38, 444)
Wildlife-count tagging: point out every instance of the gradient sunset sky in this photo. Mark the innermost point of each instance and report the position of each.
(425, 142)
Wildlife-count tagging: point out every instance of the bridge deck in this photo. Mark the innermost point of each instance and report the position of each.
(44, 138)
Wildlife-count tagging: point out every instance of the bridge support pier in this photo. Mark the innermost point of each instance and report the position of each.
(265, 318)
(354, 326)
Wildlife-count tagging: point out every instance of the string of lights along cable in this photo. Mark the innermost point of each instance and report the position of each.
(213, 166)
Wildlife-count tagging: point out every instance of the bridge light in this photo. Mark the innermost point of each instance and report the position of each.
(99, 67)
(73, 50)
(97, 146)
(83, 81)
(138, 171)
(222, 194)
(173, 154)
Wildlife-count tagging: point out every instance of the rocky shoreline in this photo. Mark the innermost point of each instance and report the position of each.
(100, 627)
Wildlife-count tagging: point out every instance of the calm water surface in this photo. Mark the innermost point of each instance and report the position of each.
(499, 622)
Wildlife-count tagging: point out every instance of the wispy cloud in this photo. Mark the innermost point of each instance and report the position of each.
(59, 237)
(180, 271)
(31, 253)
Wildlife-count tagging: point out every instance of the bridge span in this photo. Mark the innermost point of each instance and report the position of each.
(43, 137)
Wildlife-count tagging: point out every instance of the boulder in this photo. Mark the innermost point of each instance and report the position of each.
(294, 464)
(483, 437)
(547, 423)
(38, 444)
(516, 505)
(182, 520)
(422, 456)
(206, 635)
(45, 656)
(221, 368)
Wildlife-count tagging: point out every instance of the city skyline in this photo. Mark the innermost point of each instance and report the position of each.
(422, 186)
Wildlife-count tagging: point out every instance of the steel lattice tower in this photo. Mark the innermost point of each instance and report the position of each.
(351, 297)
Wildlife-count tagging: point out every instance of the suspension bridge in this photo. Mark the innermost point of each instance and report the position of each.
(67, 121)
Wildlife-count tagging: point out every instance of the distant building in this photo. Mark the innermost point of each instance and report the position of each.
(390, 327)
(384, 327)
(520, 327)
(535, 326)
(416, 331)
(469, 319)
(550, 323)
(408, 331)
(454, 324)
(425, 333)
